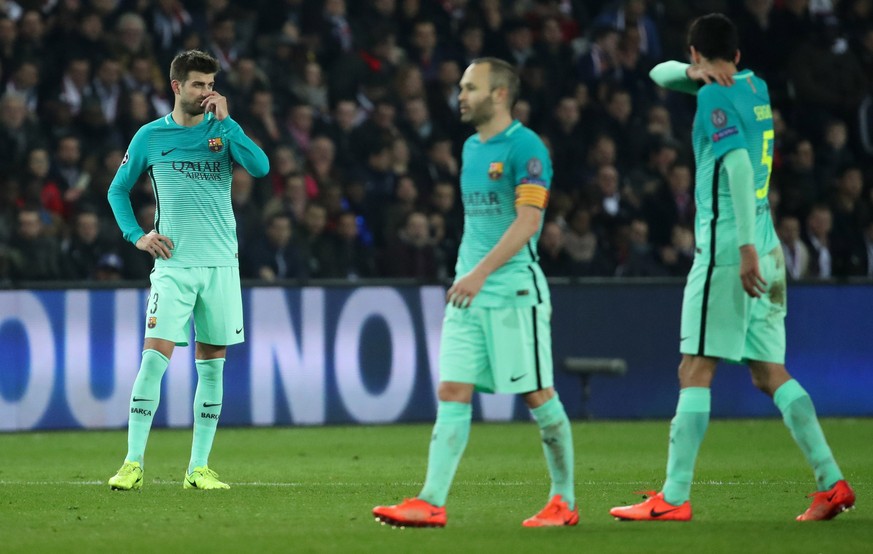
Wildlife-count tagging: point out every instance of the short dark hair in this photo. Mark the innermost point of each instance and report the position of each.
(503, 74)
(715, 37)
(192, 60)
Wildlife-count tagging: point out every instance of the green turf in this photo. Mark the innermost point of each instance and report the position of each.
(311, 490)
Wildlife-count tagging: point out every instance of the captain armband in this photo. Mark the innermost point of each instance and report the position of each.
(527, 194)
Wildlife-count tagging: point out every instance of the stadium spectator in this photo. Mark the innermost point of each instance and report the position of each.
(445, 245)
(582, 245)
(636, 257)
(817, 236)
(33, 256)
(678, 257)
(315, 244)
(794, 250)
(404, 202)
(18, 134)
(566, 134)
(632, 14)
(410, 252)
(109, 268)
(849, 216)
(554, 259)
(443, 201)
(351, 257)
(601, 61)
(292, 201)
(275, 255)
(83, 250)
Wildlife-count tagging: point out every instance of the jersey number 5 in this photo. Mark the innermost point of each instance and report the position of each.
(767, 160)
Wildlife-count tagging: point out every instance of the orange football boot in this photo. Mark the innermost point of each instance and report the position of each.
(830, 503)
(557, 513)
(412, 512)
(654, 508)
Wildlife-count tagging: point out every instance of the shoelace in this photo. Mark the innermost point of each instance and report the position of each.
(127, 469)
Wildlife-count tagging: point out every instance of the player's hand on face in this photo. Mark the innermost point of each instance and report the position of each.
(462, 292)
(750, 272)
(156, 244)
(710, 74)
(217, 104)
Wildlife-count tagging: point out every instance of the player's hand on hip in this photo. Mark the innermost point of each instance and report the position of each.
(750, 272)
(216, 104)
(710, 74)
(462, 291)
(156, 244)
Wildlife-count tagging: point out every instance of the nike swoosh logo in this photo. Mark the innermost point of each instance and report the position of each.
(832, 496)
(434, 513)
(211, 404)
(238, 331)
(514, 379)
(138, 399)
(684, 339)
(165, 152)
(653, 513)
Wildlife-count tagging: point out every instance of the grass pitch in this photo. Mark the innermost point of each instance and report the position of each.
(311, 490)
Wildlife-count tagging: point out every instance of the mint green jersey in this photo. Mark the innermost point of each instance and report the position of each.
(512, 164)
(728, 118)
(190, 169)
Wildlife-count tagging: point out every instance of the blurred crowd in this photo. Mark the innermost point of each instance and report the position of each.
(355, 102)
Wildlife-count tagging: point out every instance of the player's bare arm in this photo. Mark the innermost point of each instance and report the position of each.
(527, 222)
(156, 244)
(708, 73)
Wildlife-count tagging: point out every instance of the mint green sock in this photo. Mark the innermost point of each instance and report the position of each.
(207, 409)
(557, 440)
(686, 433)
(447, 443)
(144, 400)
(798, 413)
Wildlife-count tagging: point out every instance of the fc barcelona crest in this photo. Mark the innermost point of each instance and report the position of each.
(215, 144)
(152, 322)
(495, 170)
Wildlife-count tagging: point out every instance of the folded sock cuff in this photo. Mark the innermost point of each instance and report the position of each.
(454, 411)
(551, 411)
(786, 394)
(694, 399)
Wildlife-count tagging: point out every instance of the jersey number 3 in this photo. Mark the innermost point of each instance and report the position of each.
(767, 160)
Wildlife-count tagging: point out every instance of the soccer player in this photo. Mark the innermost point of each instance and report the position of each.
(496, 332)
(188, 156)
(734, 302)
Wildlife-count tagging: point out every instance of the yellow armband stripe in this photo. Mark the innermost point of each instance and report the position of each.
(532, 195)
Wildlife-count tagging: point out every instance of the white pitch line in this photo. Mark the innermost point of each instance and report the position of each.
(302, 484)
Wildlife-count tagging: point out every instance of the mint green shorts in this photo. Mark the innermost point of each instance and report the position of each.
(498, 350)
(211, 294)
(721, 321)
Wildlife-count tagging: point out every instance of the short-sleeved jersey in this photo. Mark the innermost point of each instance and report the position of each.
(728, 118)
(512, 164)
(190, 169)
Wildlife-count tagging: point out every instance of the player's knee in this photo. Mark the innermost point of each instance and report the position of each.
(538, 398)
(768, 377)
(696, 371)
(455, 392)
